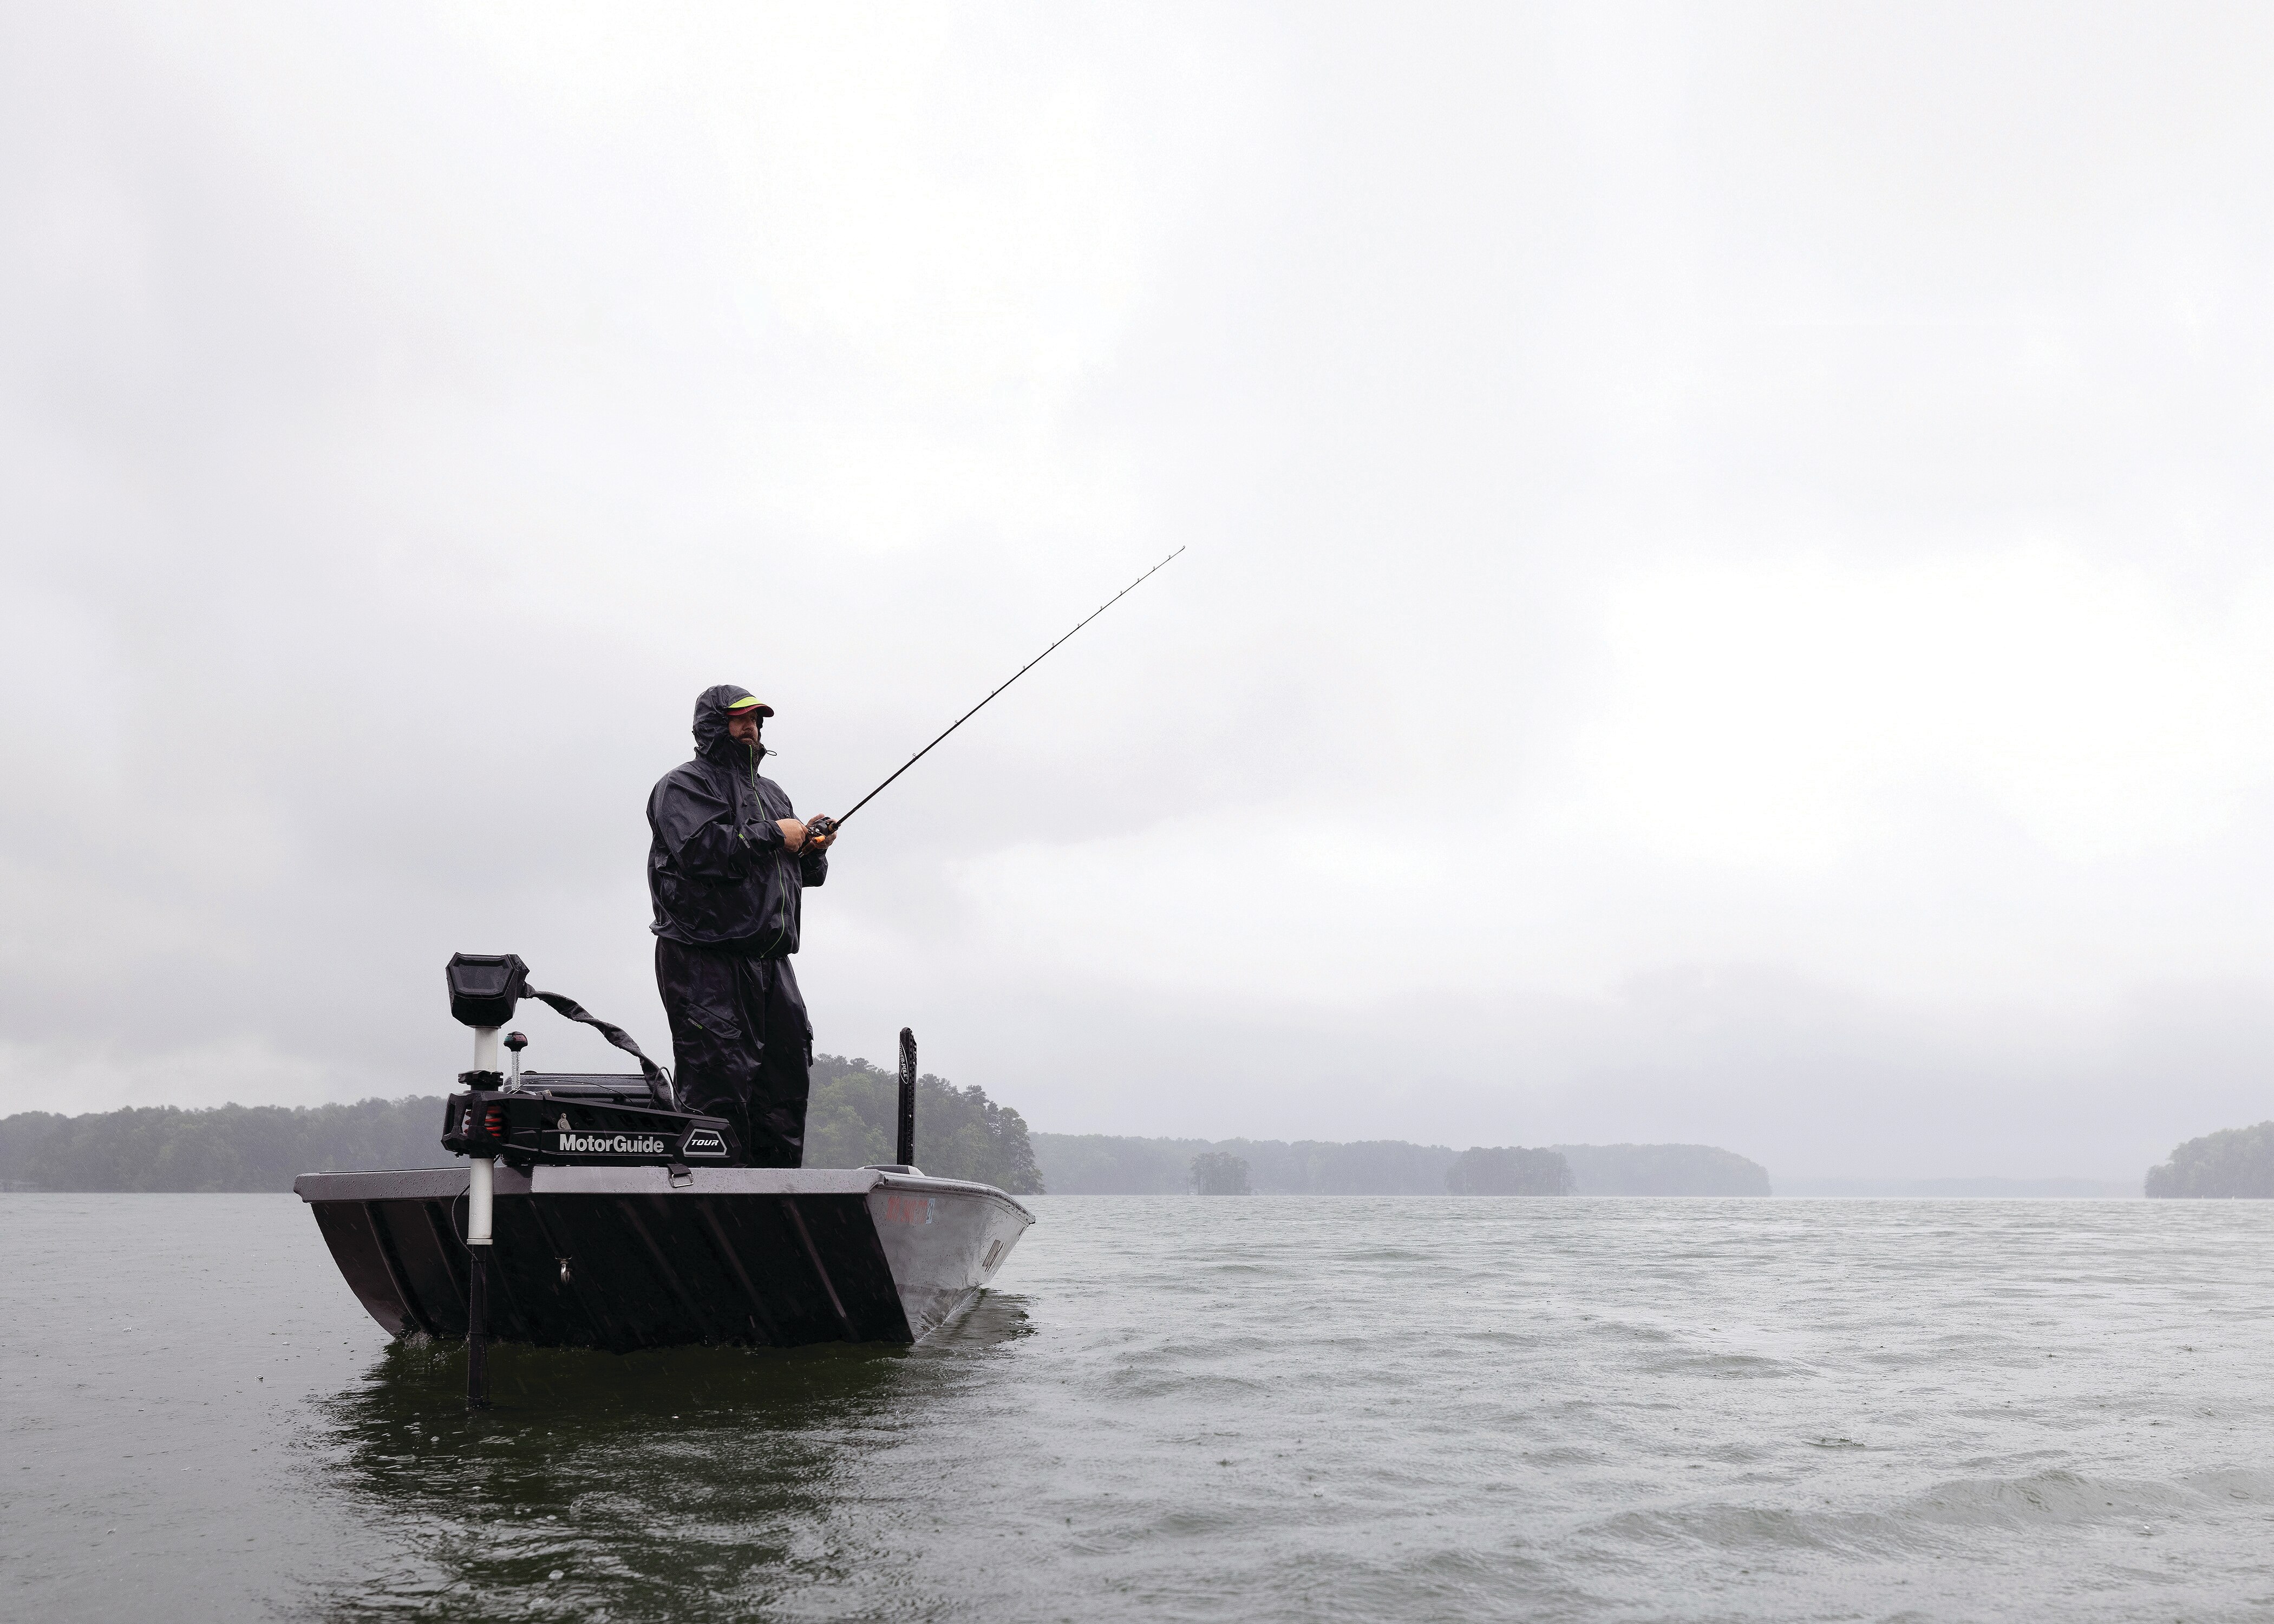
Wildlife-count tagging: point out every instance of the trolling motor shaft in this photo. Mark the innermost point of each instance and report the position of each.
(527, 1118)
(480, 1202)
(484, 989)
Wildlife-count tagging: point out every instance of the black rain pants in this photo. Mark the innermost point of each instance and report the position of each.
(742, 1044)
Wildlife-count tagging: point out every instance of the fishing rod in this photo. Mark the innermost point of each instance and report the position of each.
(826, 827)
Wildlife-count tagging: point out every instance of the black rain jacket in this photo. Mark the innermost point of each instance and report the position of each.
(717, 870)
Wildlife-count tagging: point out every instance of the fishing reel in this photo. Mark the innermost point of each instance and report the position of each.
(822, 828)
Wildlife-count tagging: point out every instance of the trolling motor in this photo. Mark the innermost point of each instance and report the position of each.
(531, 1118)
(563, 1118)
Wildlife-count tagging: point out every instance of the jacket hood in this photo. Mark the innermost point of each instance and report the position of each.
(710, 739)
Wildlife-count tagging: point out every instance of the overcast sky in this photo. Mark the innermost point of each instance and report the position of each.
(1729, 599)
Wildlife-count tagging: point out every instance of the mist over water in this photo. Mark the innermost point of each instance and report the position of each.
(1270, 1407)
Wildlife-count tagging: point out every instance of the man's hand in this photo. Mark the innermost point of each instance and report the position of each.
(792, 833)
(820, 832)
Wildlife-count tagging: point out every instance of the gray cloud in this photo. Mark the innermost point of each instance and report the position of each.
(1726, 597)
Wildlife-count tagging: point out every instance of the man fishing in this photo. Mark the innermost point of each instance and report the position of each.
(725, 870)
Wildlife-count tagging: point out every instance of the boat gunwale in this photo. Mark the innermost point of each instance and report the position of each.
(445, 1183)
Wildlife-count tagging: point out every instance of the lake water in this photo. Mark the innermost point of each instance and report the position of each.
(1270, 1408)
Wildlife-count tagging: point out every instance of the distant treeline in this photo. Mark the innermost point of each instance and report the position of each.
(1662, 1170)
(228, 1147)
(1509, 1170)
(1948, 1189)
(1502, 1169)
(2233, 1163)
(1106, 1164)
(851, 1120)
(960, 1133)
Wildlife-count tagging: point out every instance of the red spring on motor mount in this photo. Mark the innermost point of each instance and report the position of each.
(493, 1120)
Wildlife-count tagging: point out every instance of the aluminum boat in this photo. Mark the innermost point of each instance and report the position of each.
(594, 1211)
(633, 1257)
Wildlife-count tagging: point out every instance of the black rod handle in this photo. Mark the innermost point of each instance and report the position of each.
(908, 1146)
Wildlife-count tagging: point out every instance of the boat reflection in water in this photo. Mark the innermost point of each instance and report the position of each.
(682, 1483)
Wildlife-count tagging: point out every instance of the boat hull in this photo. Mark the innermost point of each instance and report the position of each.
(623, 1257)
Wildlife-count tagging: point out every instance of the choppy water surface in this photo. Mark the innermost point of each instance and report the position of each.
(1183, 1408)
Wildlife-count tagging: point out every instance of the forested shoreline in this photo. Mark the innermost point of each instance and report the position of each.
(226, 1147)
(2234, 1163)
(960, 1133)
(852, 1120)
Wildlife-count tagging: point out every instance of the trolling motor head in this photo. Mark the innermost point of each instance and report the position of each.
(485, 987)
